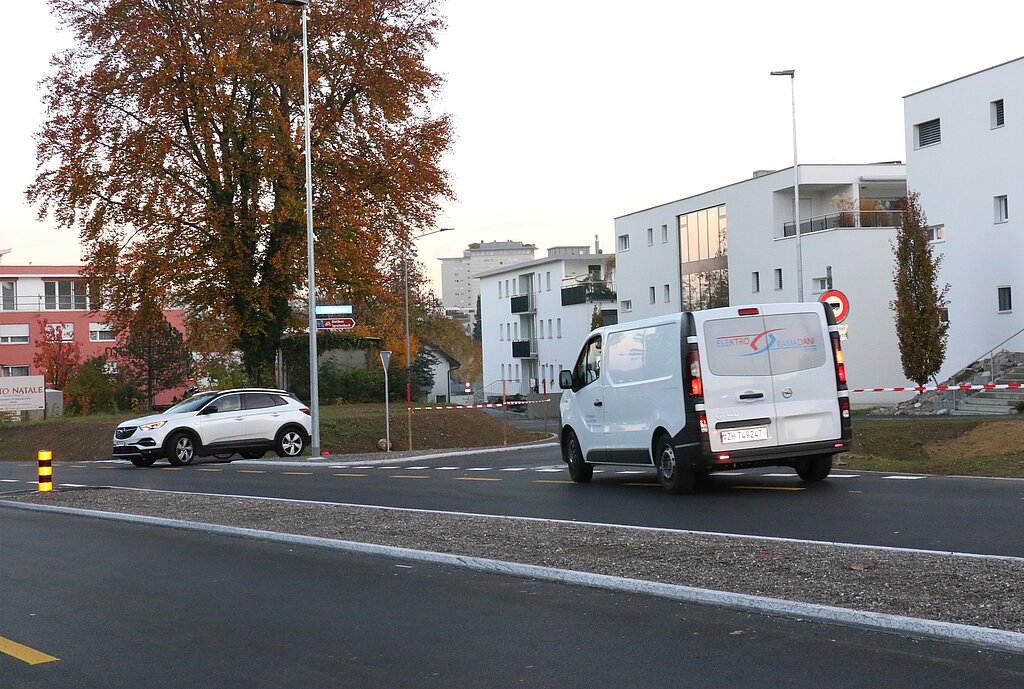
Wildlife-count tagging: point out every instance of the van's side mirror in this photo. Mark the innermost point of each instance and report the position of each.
(565, 379)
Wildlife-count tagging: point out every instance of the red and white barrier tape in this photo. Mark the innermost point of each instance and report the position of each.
(1007, 386)
(475, 406)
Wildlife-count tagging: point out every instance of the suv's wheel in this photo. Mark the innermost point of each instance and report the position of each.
(252, 454)
(143, 461)
(814, 468)
(674, 477)
(181, 449)
(290, 442)
(579, 470)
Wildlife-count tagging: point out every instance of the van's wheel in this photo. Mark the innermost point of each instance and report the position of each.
(675, 478)
(181, 449)
(579, 470)
(814, 468)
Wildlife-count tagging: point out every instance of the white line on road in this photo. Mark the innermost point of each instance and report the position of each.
(779, 475)
(904, 478)
(514, 469)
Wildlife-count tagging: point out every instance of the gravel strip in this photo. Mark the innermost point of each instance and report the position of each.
(947, 588)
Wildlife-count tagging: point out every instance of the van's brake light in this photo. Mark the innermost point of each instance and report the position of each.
(693, 365)
(837, 350)
(749, 311)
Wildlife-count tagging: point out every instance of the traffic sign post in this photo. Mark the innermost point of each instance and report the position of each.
(839, 302)
(385, 359)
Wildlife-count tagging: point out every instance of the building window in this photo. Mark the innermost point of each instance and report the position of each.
(547, 278)
(551, 333)
(65, 295)
(61, 332)
(559, 322)
(499, 289)
(501, 332)
(778, 279)
(650, 236)
(755, 282)
(996, 108)
(664, 234)
(703, 252)
(540, 326)
(515, 332)
(626, 305)
(927, 133)
(503, 371)
(15, 333)
(101, 332)
(936, 233)
(943, 315)
(820, 285)
(1002, 208)
(651, 293)
(1005, 300)
(623, 244)
(668, 294)
(15, 370)
(8, 300)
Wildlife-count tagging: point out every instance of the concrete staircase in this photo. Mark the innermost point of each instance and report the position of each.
(995, 402)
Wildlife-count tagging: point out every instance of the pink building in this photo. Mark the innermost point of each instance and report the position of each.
(57, 294)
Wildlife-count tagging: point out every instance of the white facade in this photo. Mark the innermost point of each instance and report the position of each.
(528, 335)
(848, 251)
(459, 285)
(967, 168)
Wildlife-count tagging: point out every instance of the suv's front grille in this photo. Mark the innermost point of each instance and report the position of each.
(126, 432)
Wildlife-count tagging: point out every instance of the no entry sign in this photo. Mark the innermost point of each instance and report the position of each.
(839, 303)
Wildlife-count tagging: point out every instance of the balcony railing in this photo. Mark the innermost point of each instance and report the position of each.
(44, 303)
(524, 303)
(844, 219)
(524, 349)
(588, 292)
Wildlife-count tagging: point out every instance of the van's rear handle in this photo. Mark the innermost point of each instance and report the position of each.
(751, 395)
(598, 403)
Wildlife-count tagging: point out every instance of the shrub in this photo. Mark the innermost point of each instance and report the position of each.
(89, 391)
(128, 398)
(1019, 407)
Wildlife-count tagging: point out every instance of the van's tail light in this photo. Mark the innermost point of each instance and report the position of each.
(693, 366)
(844, 407)
(837, 350)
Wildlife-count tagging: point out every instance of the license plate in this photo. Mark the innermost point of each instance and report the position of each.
(743, 434)
(119, 443)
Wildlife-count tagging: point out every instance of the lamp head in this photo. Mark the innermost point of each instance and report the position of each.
(780, 73)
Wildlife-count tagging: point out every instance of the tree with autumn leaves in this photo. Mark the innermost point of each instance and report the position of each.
(173, 145)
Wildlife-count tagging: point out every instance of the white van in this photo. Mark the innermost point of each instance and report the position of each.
(696, 392)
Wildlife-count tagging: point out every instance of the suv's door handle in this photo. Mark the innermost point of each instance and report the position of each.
(751, 395)
(598, 403)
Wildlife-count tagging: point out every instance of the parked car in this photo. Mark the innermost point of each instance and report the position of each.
(697, 392)
(248, 421)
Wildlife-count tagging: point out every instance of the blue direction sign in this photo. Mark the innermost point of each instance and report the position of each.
(333, 310)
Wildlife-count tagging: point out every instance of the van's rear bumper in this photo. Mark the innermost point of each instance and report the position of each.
(785, 455)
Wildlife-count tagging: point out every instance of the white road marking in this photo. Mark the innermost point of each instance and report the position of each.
(479, 469)
(417, 468)
(779, 475)
(515, 469)
(729, 473)
(10, 480)
(630, 472)
(446, 468)
(844, 475)
(549, 471)
(904, 478)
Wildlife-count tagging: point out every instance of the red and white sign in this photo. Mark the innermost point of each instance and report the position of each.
(839, 303)
(335, 323)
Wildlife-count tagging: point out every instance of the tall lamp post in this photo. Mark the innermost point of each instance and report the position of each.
(408, 363)
(314, 388)
(791, 73)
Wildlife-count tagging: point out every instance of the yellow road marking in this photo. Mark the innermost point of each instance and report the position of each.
(24, 653)
(552, 481)
(211, 470)
(648, 485)
(170, 468)
(417, 476)
(476, 478)
(769, 488)
(297, 473)
(251, 471)
(361, 475)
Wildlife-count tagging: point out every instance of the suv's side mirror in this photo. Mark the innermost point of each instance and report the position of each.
(565, 379)
(209, 409)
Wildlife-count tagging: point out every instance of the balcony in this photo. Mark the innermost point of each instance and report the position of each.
(843, 220)
(588, 292)
(524, 349)
(524, 303)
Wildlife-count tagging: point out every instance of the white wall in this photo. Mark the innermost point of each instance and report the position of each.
(957, 180)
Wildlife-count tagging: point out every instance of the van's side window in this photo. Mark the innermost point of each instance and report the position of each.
(588, 367)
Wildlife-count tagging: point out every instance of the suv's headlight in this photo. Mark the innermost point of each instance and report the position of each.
(151, 426)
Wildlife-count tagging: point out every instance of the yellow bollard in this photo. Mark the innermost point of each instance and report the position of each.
(45, 470)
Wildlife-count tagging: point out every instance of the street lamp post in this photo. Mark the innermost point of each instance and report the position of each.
(408, 363)
(314, 388)
(791, 73)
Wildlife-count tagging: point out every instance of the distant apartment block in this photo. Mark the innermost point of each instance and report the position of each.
(459, 284)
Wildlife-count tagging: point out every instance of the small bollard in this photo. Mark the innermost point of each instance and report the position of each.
(45, 470)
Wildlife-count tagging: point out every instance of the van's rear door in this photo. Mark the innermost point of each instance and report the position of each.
(800, 355)
(739, 396)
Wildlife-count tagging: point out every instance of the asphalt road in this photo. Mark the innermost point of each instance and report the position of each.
(937, 513)
(120, 605)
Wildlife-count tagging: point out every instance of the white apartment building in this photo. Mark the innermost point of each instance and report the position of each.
(737, 245)
(965, 144)
(459, 285)
(536, 315)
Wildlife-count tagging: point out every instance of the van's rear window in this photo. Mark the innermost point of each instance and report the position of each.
(761, 347)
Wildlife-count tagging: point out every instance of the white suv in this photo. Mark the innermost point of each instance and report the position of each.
(249, 421)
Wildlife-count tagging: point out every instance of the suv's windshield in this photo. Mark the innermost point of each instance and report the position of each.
(191, 404)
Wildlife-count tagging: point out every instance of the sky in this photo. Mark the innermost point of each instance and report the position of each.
(570, 113)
